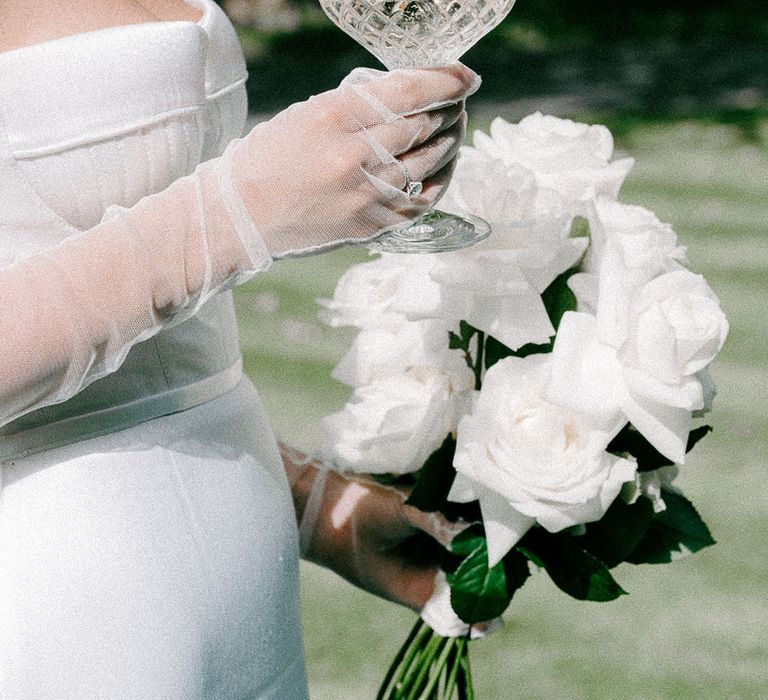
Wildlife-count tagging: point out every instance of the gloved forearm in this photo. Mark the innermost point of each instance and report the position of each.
(69, 315)
(320, 174)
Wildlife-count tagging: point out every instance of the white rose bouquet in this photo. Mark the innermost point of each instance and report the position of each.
(538, 388)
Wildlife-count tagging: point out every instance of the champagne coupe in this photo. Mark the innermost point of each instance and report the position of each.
(423, 34)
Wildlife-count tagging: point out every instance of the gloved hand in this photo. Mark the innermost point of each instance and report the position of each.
(337, 168)
(321, 173)
(366, 533)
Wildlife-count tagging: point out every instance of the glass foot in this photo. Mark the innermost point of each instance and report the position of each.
(434, 232)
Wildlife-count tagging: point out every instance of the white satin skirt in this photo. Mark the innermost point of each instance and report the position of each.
(157, 562)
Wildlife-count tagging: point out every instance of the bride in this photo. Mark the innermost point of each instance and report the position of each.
(148, 518)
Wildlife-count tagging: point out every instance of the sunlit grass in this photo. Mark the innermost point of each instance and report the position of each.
(694, 629)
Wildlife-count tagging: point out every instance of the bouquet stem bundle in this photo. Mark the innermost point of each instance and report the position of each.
(429, 667)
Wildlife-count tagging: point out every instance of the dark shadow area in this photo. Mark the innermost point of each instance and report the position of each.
(679, 59)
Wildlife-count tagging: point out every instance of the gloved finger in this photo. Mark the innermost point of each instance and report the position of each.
(434, 187)
(436, 525)
(431, 165)
(409, 132)
(406, 520)
(431, 157)
(411, 90)
(389, 180)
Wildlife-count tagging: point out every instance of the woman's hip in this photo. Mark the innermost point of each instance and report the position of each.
(161, 563)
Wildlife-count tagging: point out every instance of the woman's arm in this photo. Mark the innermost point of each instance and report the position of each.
(318, 175)
(365, 532)
(68, 315)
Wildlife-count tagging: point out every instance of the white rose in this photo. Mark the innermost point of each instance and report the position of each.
(530, 225)
(679, 327)
(495, 286)
(528, 461)
(573, 159)
(501, 193)
(488, 292)
(365, 294)
(675, 328)
(644, 242)
(393, 424)
(497, 290)
(652, 485)
(629, 246)
(399, 346)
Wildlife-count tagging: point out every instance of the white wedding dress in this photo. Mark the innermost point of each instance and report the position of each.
(148, 544)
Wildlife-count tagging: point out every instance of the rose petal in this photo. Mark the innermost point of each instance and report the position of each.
(504, 525)
(665, 427)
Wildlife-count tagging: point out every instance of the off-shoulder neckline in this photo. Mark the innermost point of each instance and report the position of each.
(200, 23)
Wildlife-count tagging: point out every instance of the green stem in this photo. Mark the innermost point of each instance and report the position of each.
(415, 678)
(399, 658)
(479, 360)
(453, 665)
(438, 668)
(412, 660)
(469, 691)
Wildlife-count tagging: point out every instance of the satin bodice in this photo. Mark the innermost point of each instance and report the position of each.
(103, 119)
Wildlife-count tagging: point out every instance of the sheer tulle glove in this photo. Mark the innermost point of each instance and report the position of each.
(338, 168)
(366, 533)
(323, 172)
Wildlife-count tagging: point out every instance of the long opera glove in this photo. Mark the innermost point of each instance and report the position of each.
(321, 174)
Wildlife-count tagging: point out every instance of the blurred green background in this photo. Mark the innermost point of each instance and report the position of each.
(683, 84)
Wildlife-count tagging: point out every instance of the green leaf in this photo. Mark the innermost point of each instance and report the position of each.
(455, 342)
(434, 479)
(467, 541)
(573, 570)
(530, 554)
(616, 535)
(695, 435)
(477, 592)
(579, 227)
(673, 533)
(558, 298)
(466, 331)
(516, 570)
(461, 340)
(495, 350)
(534, 349)
(631, 441)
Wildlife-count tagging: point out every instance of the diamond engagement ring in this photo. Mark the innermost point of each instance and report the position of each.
(411, 187)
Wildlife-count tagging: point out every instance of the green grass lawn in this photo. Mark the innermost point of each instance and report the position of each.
(695, 629)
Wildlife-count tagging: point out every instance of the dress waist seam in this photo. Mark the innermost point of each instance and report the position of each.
(115, 418)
